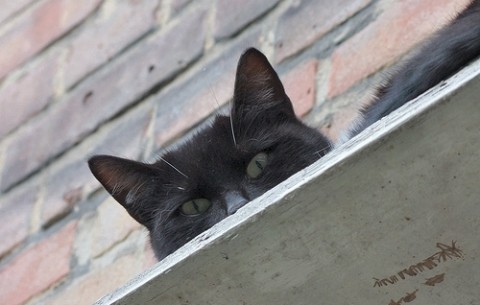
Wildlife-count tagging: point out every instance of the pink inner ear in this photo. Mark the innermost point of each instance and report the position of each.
(253, 64)
(256, 76)
(119, 176)
(123, 179)
(259, 93)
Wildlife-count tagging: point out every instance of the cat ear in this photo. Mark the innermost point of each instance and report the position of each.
(124, 179)
(258, 89)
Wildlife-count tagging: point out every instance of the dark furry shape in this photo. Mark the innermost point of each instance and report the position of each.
(445, 53)
(213, 163)
(241, 156)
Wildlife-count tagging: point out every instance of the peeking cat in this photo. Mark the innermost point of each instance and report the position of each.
(234, 160)
(261, 143)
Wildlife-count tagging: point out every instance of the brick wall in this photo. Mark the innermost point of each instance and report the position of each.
(130, 78)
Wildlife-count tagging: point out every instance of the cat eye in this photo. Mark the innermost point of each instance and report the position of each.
(256, 166)
(195, 207)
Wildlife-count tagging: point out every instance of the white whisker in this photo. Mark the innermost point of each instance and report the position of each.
(233, 133)
(231, 123)
(137, 188)
(116, 189)
(215, 97)
(174, 168)
(320, 152)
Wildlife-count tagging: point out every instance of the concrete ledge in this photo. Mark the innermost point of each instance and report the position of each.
(391, 217)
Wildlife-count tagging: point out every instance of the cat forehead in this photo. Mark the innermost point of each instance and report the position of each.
(222, 137)
(215, 137)
(217, 150)
(211, 146)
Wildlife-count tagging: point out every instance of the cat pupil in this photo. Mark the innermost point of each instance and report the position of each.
(257, 165)
(195, 207)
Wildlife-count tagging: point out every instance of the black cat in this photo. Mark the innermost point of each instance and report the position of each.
(241, 156)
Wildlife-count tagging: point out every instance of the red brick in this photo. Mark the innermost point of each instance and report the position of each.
(300, 84)
(89, 288)
(38, 27)
(231, 16)
(10, 8)
(401, 26)
(15, 212)
(37, 268)
(71, 181)
(185, 104)
(102, 96)
(308, 20)
(106, 35)
(25, 96)
(338, 121)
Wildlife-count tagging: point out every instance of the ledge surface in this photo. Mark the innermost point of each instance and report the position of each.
(391, 217)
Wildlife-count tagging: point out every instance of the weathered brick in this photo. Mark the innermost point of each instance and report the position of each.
(98, 282)
(185, 104)
(177, 6)
(38, 27)
(10, 8)
(70, 181)
(65, 188)
(103, 95)
(112, 225)
(336, 122)
(37, 268)
(232, 16)
(401, 26)
(106, 35)
(150, 260)
(25, 96)
(300, 84)
(336, 115)
(15, 213)
(308, 20)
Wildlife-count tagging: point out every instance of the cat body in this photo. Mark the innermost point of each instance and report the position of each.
(261, 143)
(449, 50)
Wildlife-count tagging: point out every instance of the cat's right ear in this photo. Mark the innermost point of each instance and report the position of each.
(124, 179)
(258, 90)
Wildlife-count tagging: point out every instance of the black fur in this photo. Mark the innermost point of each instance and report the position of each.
(212, 164)
(445, 53)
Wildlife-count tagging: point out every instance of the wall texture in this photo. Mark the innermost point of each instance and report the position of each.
(132, 77)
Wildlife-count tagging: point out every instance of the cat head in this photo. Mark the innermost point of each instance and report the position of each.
(222, 167)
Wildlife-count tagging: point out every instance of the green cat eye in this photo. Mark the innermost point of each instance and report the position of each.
(195, 207)
(256, 166)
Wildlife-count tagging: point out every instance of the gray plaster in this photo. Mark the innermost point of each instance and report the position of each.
(348, 229)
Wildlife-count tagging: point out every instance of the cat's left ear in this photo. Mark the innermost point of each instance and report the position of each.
(124, 180)
(258, 89)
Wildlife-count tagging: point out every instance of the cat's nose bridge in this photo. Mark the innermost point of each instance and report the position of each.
(234, 200)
